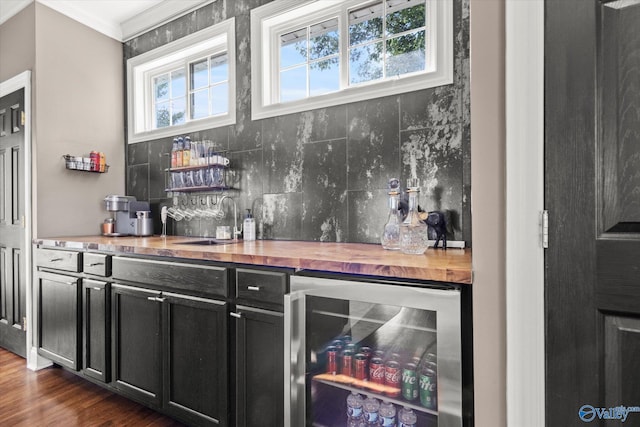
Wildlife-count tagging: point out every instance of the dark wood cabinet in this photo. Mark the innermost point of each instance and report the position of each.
(259, 350)
(96, 331)
(137, 341)
(59, 337)
(195, 359)
(259, 367)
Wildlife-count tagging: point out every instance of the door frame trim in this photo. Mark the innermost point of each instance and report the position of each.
(524, 63)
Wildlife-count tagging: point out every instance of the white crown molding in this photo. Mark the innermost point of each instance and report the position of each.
(74, 10)
(9, 8)
(155, 16)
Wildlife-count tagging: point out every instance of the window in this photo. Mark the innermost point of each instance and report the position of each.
(318, 53)
(184, 86)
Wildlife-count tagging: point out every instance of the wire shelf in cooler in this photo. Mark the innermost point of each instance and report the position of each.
(371, 320)
(363, 387)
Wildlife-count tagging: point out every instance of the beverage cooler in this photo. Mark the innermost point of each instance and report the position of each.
(374, 353)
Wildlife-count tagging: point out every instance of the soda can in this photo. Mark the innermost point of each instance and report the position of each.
(376, 371)
(410, 382)
(332, 360)
(430, 357)
(428, 389)
(416, 360)
(360, 363)
(392, 376)
(432, 366)
(347, 363)
(396, 357)
(379, 353)
(346, 339)
(338, 343)
(351, 347)
(366, 351)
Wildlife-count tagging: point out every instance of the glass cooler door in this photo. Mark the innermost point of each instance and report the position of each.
(366, 353)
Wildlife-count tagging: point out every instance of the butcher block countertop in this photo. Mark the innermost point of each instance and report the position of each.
(452, 265)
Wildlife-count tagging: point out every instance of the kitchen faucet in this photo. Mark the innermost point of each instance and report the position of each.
(236, 231)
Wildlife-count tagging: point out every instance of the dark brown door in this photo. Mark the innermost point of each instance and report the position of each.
(12, 231)
(592, 150)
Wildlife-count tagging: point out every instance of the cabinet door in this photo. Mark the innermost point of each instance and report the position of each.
(136, 340)
(95, 329)
(260, 368)
(195, 364)
(59, 318)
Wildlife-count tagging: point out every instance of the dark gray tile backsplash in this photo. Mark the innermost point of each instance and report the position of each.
(321, 175)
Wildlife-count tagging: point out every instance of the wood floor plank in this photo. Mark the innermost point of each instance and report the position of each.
(55, 397)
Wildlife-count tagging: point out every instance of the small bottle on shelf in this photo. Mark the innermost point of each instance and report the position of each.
(387, 413)
(371, 406)
(355, 402)
(174, 153)
(186, 152)
(179, 152)
(407, 418)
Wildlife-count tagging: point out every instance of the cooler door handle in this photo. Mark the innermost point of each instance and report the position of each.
(236, 315)
(253, 288)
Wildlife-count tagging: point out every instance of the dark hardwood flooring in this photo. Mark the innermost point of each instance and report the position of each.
(55, 397)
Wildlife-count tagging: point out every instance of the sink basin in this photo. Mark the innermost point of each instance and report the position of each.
(207, 242)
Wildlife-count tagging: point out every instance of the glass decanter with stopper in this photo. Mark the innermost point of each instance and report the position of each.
(390, 238)
(413, 232)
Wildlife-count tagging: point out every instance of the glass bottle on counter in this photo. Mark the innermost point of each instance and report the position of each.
(413, 232)
(390, 238)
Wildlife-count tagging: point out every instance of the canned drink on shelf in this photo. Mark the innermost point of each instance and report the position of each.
(376, 370)
(428, 389)
(432, 358)
(379, 353)
(338, 343)
(392, 376)
(360, 364)
(366, 351)
(346, 339)
(332, 360)
(410, 382)
(351, 347)
(347, 363)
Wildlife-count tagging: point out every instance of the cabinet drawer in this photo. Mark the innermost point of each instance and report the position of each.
(260, 286)
(199, 279)
(59, 259)
(98, 264)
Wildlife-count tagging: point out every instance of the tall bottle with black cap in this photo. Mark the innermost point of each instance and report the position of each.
(249, 227)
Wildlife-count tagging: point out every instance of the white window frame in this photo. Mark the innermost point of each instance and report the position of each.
(275, 18)
(208, 42)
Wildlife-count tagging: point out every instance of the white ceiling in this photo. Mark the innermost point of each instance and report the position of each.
(108, 16)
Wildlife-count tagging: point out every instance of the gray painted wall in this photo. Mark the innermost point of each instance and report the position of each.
(322, 174)
(75, 110)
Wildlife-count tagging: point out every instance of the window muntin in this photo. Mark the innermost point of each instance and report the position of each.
(369, 49)
(184, 86)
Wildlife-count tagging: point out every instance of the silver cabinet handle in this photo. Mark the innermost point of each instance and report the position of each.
(236, 315)
(253, 288)
(156, 299)
(96, 263)
(160, 299)
(56, 259)
(97, 288)
(151, 298)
